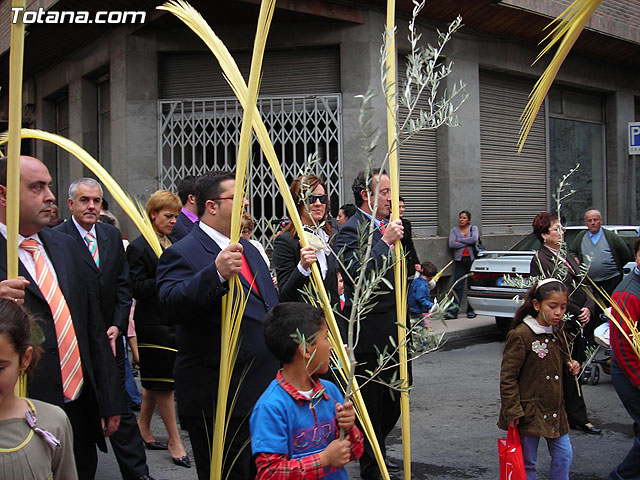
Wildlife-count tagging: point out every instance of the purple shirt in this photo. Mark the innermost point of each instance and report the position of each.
(191, 216)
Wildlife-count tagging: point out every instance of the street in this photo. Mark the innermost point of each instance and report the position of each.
(454, 410)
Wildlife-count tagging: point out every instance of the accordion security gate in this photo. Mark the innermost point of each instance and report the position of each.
(199, 135)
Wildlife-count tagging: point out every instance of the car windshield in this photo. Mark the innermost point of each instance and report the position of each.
(528, 243)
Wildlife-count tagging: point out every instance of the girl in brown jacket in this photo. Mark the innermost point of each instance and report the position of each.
(531, 378)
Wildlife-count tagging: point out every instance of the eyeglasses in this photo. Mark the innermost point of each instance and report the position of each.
(558, 229)
(246, 231)
(318, 198)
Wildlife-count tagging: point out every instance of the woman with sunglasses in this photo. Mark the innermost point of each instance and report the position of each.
(293, 263)
(551, 260)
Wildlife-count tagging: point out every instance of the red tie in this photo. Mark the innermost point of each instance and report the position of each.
(247, 275)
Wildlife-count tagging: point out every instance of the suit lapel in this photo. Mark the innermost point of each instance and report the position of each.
(51, 244)
(207, 242)
(104, 246)
(71, 230)
(253, 258)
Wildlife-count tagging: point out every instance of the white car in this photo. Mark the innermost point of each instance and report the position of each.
(487, 294)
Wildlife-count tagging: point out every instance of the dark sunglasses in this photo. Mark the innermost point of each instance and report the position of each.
(315, 198)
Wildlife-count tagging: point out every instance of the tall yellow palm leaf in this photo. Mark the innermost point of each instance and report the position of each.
(16, 56)
(570, 24)
(399, 268)
(135, 211)
(232, 74)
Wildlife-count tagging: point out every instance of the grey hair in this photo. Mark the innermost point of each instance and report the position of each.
(90, 182)
(592, 210)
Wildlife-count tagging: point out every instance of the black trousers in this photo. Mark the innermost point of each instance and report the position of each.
(85, 423)
(608, 286)
(238, 461)
(460, 269)
(383, 405)
(126, 442)
(573, 402)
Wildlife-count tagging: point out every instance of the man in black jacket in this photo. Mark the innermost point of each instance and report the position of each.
(189, 214)
(99, 246)
(193, 278)
(99, 398)
(379, 323)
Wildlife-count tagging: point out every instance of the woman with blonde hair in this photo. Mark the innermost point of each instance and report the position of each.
(156, 333)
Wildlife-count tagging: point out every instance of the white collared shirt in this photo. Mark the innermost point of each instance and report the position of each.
(538, 329)
(26, 257)
(83, 232)
(221, 240)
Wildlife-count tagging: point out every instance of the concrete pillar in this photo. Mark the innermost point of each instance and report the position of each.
(459, 185)
(360, 71)
(620, 167)
(134, 135)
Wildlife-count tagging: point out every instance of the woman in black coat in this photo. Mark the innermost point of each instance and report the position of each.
(550, 262)
(156, 334)
(293, 263)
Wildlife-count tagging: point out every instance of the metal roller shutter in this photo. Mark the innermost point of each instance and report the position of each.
(285, 72)
(419, 174)
(514, 187)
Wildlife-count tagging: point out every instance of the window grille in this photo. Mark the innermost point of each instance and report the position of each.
(200, 135)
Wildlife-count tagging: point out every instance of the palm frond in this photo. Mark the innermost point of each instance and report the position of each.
(399, 269)
(570, 24)
(237, 83)
(135, 211)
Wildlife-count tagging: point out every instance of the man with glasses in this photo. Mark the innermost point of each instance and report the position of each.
(193, 277)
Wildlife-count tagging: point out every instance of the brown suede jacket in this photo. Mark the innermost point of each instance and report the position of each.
(531, 382)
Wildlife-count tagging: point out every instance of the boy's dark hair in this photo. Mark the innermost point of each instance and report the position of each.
(284, 321)
(429, 269)
(208, 188)
(186, 187)
(636, 246)
(349, 209)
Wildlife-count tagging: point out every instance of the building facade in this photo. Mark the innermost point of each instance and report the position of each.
(148, 100)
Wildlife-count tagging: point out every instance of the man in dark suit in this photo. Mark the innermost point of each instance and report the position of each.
(380, 322)
(97, 399)
(192, 280)
(99, 246)
(189, 214)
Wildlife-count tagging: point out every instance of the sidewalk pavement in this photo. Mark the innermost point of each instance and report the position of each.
(463, 328)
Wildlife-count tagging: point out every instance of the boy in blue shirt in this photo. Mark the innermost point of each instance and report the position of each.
(420, 294)
(295, 425)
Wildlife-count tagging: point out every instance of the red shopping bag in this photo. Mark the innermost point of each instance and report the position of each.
(511, 461)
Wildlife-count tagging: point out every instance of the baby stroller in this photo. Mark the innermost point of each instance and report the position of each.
(600, 358)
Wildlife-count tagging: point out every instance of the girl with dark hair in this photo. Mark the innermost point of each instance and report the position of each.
(462, 239)
(551, 261)
(28, 451)
(531, 374)
(293, 263)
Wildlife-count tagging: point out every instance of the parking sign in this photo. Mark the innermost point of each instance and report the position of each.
(634, 138)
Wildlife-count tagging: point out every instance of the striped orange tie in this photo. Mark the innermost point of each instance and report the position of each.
(70, 365)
